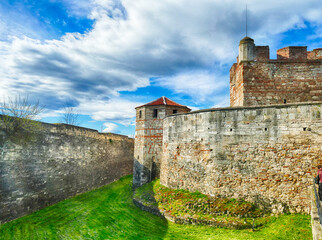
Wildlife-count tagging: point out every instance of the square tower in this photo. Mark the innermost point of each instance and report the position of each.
(148, 138)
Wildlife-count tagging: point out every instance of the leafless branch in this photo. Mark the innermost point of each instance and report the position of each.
(20, 113)
(70, 116)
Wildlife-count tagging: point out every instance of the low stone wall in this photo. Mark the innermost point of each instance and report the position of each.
(189, 220)
(315, 220)
(59, 162)
(266, 155)
(150, 209)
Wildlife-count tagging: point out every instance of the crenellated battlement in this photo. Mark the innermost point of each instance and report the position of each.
(316, 54)
(248, 51)
(292, 53)
(261, 53)
(295, 76)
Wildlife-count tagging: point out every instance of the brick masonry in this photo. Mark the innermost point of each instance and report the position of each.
(267, 155)
(61, 162)
(148, 141)
(296, 76)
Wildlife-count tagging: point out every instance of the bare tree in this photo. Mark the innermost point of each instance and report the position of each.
(17, 120)
(20, 114)
(70, 116)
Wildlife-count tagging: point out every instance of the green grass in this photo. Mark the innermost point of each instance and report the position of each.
(108, 213)
(192, 206)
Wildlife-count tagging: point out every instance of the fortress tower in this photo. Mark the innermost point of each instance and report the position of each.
(148, 138)
(264, 154)
(295, 76)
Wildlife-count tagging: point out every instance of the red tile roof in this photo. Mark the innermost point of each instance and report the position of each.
(162, 101)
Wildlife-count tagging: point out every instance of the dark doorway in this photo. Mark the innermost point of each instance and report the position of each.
(154, 170)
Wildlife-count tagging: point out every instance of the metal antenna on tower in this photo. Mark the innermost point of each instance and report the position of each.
(246, 20)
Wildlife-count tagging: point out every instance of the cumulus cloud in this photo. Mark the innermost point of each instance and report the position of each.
(110, 127)
(200, 85)
(176, 42)
(116, 109)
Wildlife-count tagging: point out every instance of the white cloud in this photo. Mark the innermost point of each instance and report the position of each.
(110, 127)
(131, 41)
(193, 108)
(222, 101)
(47, 113)
(78, 8)
(200, 85)
(116, 109)
(314, 15)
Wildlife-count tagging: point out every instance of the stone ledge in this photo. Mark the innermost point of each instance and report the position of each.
(64, 126)
(286, 105)
(315, 222)
(150, 209)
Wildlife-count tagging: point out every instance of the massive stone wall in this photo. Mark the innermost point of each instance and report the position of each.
(275, 82)
(57, 163)
(267, 155)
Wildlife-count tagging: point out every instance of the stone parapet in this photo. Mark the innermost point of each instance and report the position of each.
(315, 221)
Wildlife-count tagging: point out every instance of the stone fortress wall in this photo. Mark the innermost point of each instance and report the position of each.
(62, 161)
(266, 155)
(265, 148)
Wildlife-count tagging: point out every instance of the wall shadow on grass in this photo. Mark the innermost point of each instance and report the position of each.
(104, 213)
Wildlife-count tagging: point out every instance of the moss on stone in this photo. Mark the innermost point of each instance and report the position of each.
(197, 208)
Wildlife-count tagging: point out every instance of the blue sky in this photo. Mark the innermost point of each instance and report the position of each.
(105, 57)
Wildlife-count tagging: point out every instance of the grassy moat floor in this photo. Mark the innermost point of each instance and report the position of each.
(109, 213)
(194, 207)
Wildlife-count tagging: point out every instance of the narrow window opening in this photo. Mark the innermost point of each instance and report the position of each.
(175, 111)
(231, 129)
(155, 113)
(265, 129)
(140, 114)
(138, 157)
(284, 101)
